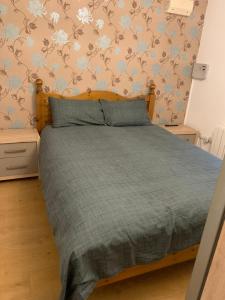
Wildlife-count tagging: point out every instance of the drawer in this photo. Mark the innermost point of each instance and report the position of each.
(18, 149)
(18, 166)
(190, 138)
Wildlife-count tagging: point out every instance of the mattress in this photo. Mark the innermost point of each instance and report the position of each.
(121, 196)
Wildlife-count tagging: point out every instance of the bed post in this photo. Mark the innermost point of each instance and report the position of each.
(151, 99)
(39, 103)
(39, 84)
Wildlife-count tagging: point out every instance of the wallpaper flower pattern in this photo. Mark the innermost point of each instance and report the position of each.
(80, 45)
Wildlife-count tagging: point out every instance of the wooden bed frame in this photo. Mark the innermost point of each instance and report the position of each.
(44, 118)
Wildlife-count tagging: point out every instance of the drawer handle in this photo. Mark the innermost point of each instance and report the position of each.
(15, 151)
(16, 168)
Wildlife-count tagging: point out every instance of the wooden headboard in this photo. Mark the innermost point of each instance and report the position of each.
(43, 113)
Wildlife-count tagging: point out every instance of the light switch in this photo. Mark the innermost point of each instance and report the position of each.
(181, 7)
(200, 71)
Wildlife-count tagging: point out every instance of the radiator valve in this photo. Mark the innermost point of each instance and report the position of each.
(206, 140)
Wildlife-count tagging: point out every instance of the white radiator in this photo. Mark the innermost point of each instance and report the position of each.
(218, 142)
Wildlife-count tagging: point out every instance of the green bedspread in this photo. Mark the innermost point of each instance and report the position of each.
(120, 196)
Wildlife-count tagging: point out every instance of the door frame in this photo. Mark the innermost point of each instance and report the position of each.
(209, 240)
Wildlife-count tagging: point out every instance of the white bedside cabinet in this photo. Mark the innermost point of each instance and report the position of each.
(184, 132)
(18, 153)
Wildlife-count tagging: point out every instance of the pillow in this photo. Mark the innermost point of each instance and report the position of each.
(75, 112)
(125, 112)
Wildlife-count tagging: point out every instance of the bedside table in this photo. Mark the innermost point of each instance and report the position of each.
(18, 153)
(186, 133)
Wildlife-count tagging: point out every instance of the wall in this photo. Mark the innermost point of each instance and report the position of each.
(95, 44)
(206, 109)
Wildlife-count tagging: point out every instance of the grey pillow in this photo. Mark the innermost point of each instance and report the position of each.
(125, 112)
(75, 112)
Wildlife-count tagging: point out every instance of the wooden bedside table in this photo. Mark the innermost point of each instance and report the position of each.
(18, 153)
(184, 132)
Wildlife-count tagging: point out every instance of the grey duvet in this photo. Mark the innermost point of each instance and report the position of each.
(121, 196)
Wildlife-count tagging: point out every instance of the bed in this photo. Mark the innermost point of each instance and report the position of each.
(122, 201)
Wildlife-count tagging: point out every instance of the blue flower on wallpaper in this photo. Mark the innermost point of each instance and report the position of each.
(139, 28)
(194, 32)
(117, 50)
(104, 42)
(136, 87)
(178, 93)
(180, 106)
(29, 42)
(114, 90)
(36, 8)
(174, 51)
(168, 88)
(153, 54)
(166, 74)
(142, 47)
(156, 68)
(38, 60)
(98, 69)
(6, 63)
(125, 21)
(173, 34)
(17, 124)
(60, 84)
(14, 82)
(121, 3)
(161, 27)
(82, 63)
(75, 91)
(11, 32)
(10, 110)
(158, 10)
(134, 71)
(121, 66)
(187, 71)
(55, 67)
(159, 109)
(185, 56)
(101, 85)
(3, 9)
(147, 3)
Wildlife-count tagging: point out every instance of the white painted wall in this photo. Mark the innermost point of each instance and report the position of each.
(206, 108)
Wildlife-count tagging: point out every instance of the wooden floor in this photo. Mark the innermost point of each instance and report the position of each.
(214, 286)
(29, 264)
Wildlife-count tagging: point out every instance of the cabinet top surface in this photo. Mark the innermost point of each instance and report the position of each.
(18, 135)
(180, 129)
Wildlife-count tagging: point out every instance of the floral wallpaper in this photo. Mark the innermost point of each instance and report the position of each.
(115, 45)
